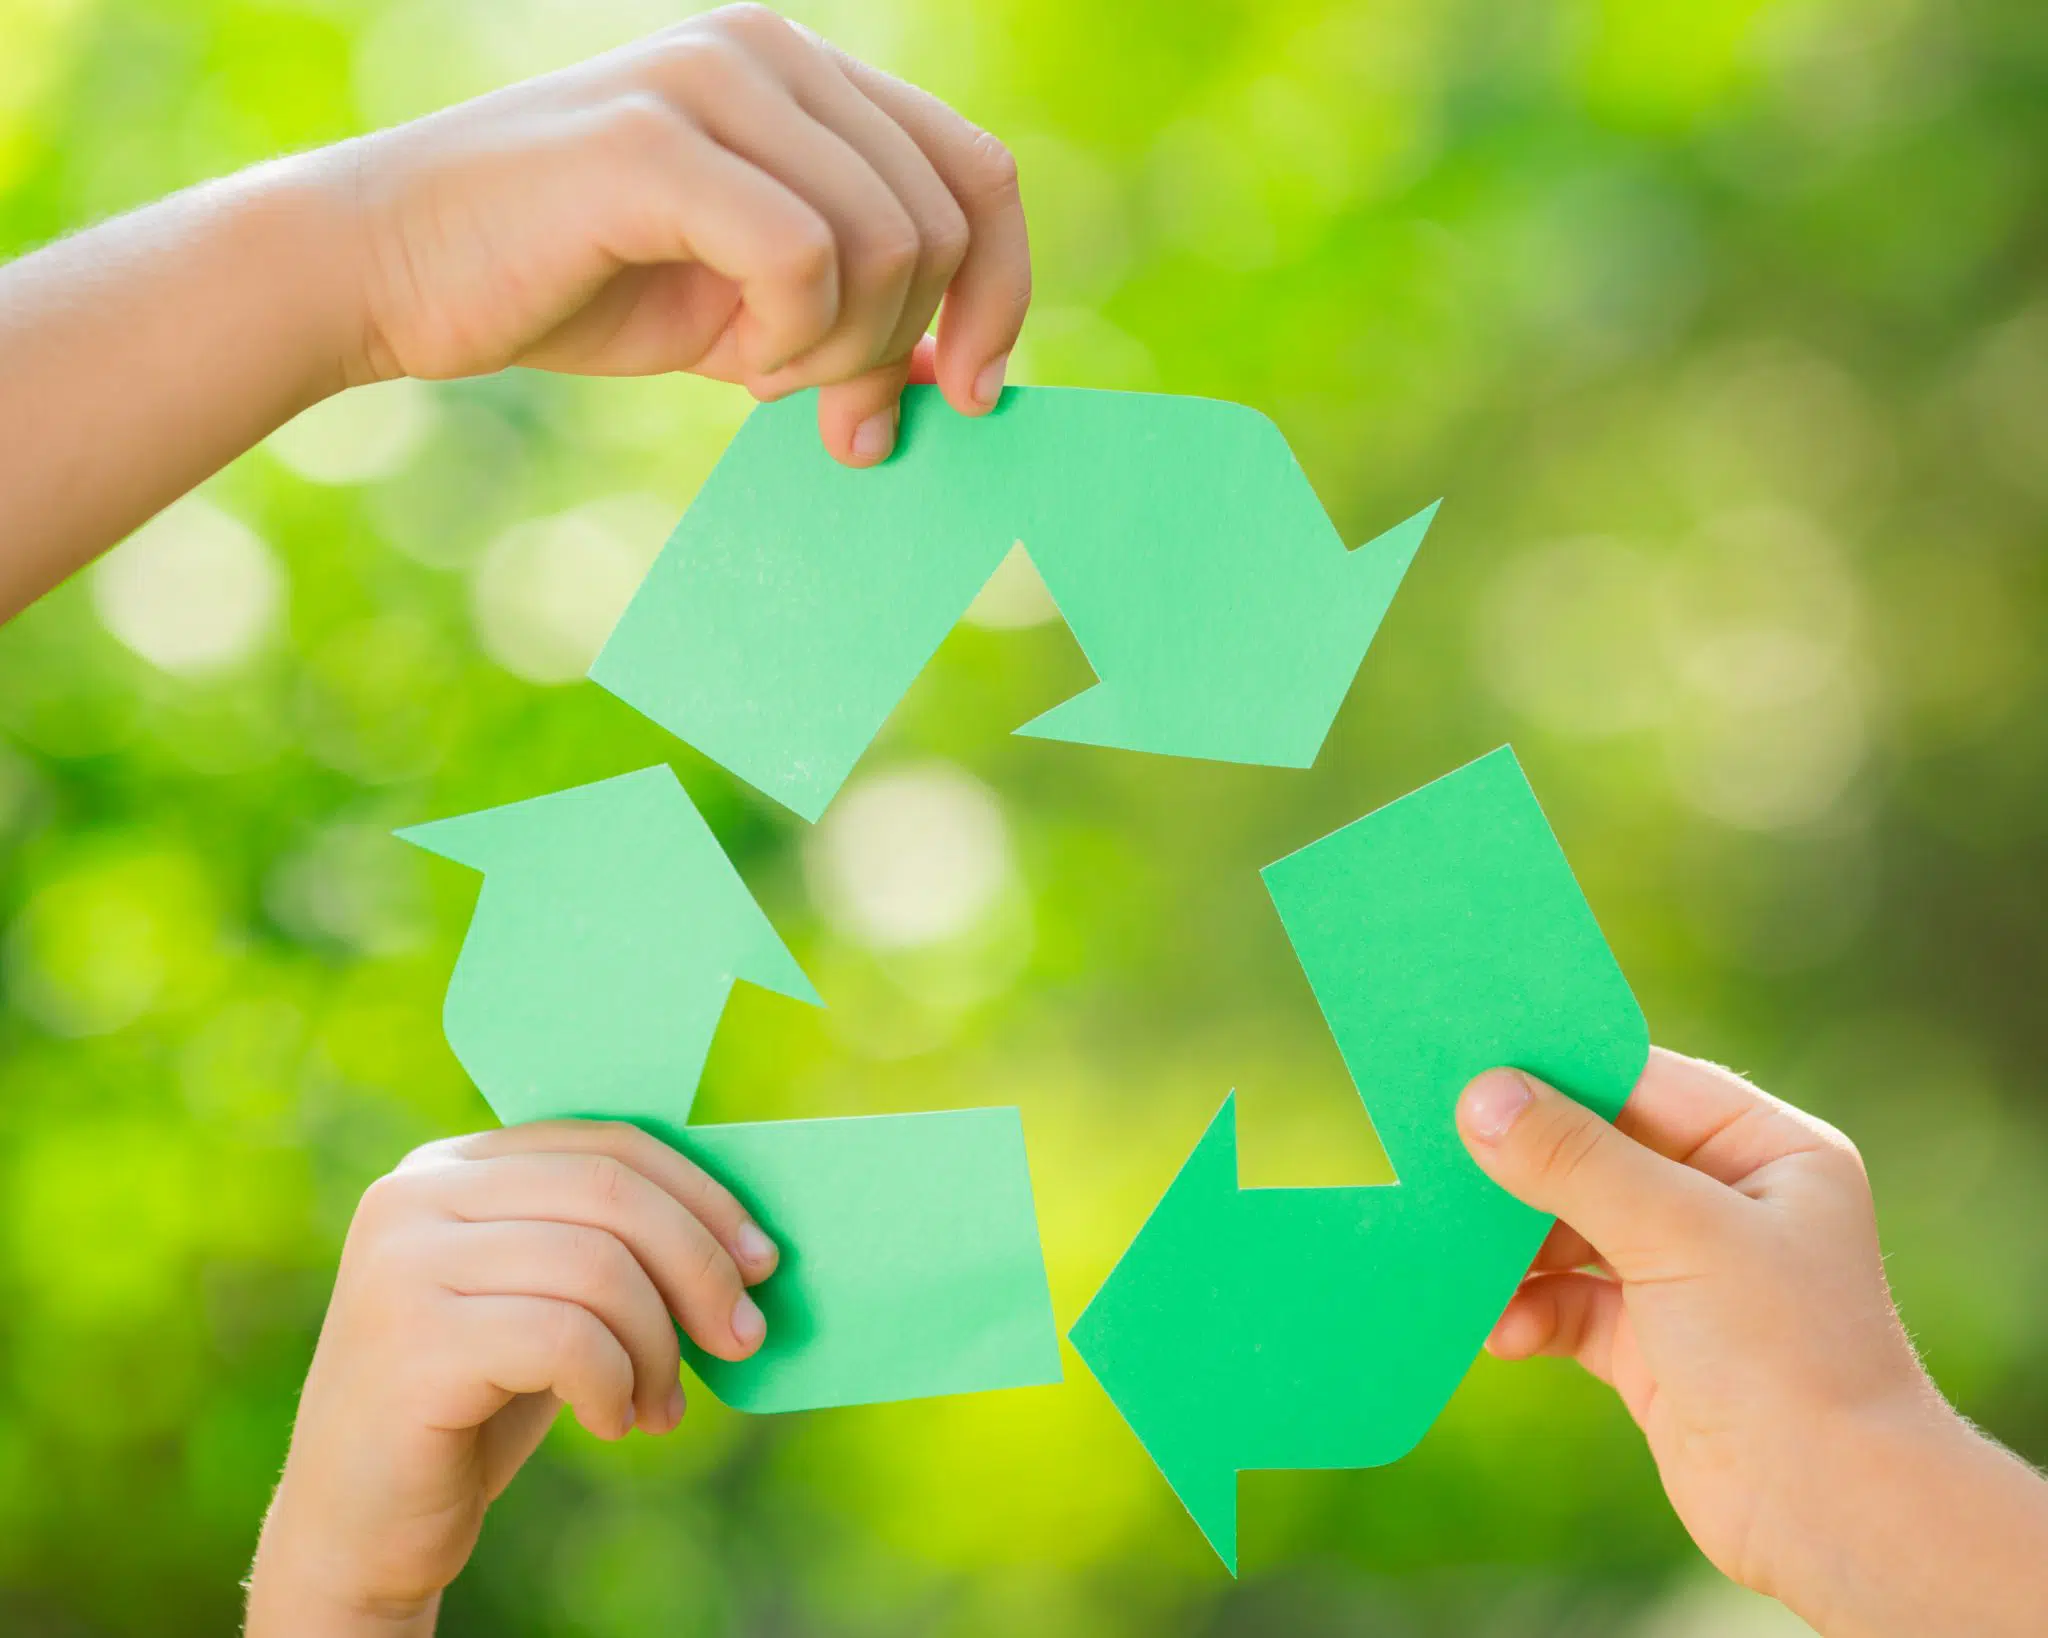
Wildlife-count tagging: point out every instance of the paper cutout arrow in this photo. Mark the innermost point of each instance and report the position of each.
(798, 599)
(910, 1258)
(609, 932)
(1320, 1328)
(608, 935)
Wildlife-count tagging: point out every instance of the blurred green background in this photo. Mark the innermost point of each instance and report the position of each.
(1722, 325)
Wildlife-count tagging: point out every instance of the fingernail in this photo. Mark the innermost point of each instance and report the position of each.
(748, 1323)
(677, 1404)
(1493, 1103)
(875, 436)
(988, 386)
(755, 1247)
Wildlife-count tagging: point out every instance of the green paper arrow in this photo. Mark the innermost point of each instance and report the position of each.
(910, 1267)
(608, 935)
(609, 932)
(1323, 1328)
(798, 599)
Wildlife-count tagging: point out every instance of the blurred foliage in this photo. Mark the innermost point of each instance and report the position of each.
(1723, 327)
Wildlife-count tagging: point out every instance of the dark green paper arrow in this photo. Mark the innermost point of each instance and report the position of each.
(798, 599)
(1326, 1328)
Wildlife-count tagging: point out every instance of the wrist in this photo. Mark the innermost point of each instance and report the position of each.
(1906, 1520)
(302, 1585)
(301, 219)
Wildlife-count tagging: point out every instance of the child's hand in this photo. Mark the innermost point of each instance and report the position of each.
(485, 1283)
(1716, 1261)
(731, 196)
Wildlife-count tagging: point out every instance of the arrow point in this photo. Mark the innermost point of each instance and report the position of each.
(1155, 1335)
(772, 967)
(457, 839)
(1395, 548)
(1211, 1500)
(1089, 718)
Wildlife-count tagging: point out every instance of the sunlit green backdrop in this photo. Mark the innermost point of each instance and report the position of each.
(1723, 327)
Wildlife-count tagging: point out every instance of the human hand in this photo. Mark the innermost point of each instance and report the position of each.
(1716, 1262)
(731, 196)
(484, 1283)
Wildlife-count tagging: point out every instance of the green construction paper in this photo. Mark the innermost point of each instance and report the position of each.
(798, 599)
(609, 932)
(1325, 1328)
(910, 1258)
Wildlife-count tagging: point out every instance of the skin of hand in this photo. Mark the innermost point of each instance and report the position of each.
(1716, 1262)
(484, 1284)
(731, 197)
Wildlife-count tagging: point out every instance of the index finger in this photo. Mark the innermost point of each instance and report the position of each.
(985, 304)
(696, 1190)
(1714, 1121)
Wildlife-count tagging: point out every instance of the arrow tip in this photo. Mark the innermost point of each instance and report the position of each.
(1396, 547)
(458, 839)
(1157, 1334)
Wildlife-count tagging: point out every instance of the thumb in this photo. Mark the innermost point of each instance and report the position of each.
(1640, 1211)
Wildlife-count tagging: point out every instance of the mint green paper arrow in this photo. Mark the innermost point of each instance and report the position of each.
(798, 599)
(910, 1258)
(609, 932)
(608, 935)
(1325, 1328)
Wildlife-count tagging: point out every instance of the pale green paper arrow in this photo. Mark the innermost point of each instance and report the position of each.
(910, 1263)
(609, 932)
(798, 599)
(1310, 1328)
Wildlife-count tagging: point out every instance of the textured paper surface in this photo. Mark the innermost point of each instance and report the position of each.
(1314, 1328)
(798, 599)
(608, 934)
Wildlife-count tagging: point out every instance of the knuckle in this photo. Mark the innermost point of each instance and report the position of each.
(946, 242)
(1566, 1145)
(565, 1334)
(753, 25)
(805, 254)
(1843, 1156)
(607, 1181)
(699, 60)
(391, 1198)
(991, 169)
(895, 253)
(595, 1261)
(640, 126)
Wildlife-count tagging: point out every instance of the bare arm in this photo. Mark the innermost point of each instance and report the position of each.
(141, 356)
(731, 197)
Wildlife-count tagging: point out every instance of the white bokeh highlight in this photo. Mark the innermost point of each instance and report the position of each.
(909, 858)
(545, 594)
(358, 436)
(1742, 649)
(193, 591)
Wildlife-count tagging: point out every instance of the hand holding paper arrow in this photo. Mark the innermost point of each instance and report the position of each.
(798, 600)
(1309, 1328)
(608, 935)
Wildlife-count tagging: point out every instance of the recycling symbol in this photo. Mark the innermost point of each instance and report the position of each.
(1224, 618)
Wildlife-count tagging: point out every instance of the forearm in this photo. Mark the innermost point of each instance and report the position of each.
(1928, 1528)
(298, 1590)
(142, 355)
